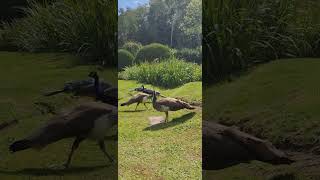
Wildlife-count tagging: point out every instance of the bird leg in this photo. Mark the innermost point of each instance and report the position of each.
(137, 106)
(145, 105)
(75, 145)
(167, 116)
(103, 149)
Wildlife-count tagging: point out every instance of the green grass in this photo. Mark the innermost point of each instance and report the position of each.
(167, 73)
(85, 27)
(24, 77)
(169, 151)
(279, 102)
(257, 171)
(242, 33)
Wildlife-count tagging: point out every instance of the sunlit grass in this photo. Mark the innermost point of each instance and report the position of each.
(170, 151)
(24, 78)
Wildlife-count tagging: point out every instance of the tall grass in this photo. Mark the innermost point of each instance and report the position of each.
(238, 34)
(168, 73)
(86, 27)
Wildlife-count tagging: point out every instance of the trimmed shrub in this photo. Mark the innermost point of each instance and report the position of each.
(125, 59)
(153, 51)
(132, 47)
(2, 40)
(169, 73)
(190, 55)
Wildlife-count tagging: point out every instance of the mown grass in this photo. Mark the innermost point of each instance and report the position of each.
(278, 101)
(259, 171)
(167, 73)
(168, 151)
(24, 77)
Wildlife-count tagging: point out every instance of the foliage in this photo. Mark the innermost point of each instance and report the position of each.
(151, 52)
(86, 27)
(9, 10)
(132, 47)
(173, 52)
(239, 34)
(128, 25)
(169, 73)
(191, 25)
(5, 44)
(191, 55)
(125, 59)
(163, 21)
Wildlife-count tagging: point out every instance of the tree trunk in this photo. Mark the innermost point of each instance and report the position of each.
(171, 35)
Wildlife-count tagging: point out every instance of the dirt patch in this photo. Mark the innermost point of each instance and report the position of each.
(154, 120)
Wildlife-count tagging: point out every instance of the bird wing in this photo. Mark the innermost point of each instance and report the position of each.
(136, 98)
(77, 122)
(111, 92)
(75, 85)
(172, 103)
(104, 85)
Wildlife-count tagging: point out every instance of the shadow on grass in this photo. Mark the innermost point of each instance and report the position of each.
(51, 171)
(171, 123)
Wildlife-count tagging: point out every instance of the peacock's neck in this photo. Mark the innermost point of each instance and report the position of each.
(96, 86)
(154, 100)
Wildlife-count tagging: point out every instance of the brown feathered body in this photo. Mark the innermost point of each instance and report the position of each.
(89, 120)
(137, 98)
(169, 104)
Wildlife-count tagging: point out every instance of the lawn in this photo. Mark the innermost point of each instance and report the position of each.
(278, 101)
(166, 151)
(24, 77)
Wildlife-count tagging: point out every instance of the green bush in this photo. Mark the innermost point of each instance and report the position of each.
(153, 51)
(240, 34)
(132, 47)
(2, 40)
(5, 44)
(170, 73)
(190, 55)
(85, 27)
(173, 52)
(125, 59)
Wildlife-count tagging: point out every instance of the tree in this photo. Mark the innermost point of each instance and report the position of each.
(163, 21)
(176, 10)
(129, 23)
(192, 22)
